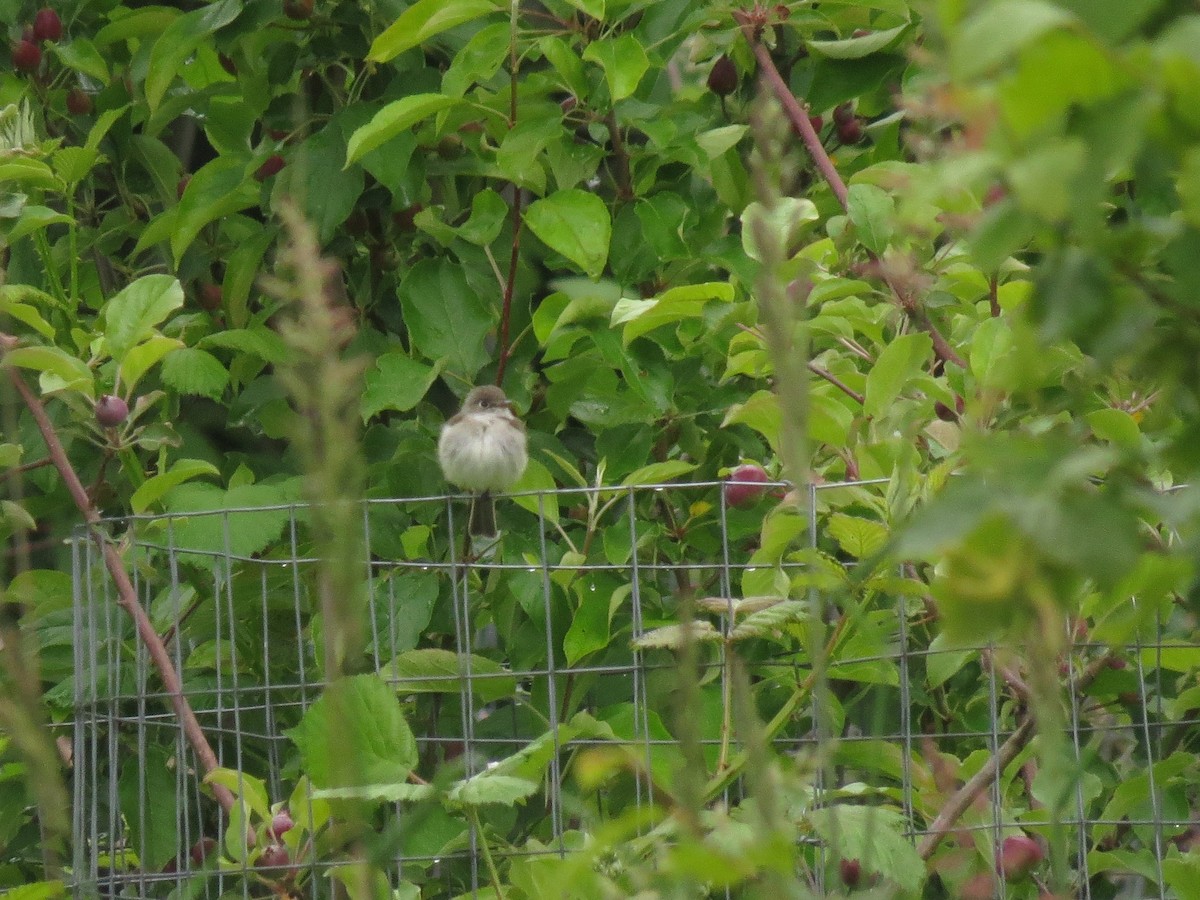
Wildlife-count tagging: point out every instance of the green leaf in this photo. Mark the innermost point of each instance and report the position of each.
(155, 487)
(35, 218)
(999, 30)
(875, 836)
(776, 230)
(41, 890)
(145, 356)
(218, 189)
(356, 735)
(434, 671)
(131, 316)
(72, 374)
(396, 381)
(760, 412)
(589, 629)
(81, 55)
(858, 537)
(197, 523)
(488, 212)
(872, 210)
(1115, 426)
(245, 787)
(258, 340)
(488, 788)
(991, 352)
(179, 41)
(192, 371)
(148, 781)
(538, 478)
(576, 224)
(393, 119)
(658, 473)
(424, 20)
(676, 305)
(899, 362)
(858, 47)
(624, 62)
(446, 319)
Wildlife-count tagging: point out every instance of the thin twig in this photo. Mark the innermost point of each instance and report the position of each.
(621, 158)
(836, 382)
(126, 595)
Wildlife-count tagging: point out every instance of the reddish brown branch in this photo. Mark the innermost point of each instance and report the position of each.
(836, 382)
(798, 116)
(979, 782)
(796, 113)
(126, 595)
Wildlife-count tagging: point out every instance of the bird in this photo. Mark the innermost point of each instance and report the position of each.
(482, 449)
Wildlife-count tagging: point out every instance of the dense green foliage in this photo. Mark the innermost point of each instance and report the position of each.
(585, 200)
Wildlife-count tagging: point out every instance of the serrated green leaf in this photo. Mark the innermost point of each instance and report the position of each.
(131, 316)
(355, 735)
(487, 788)
(674, 637)
(861, 538)
(875, 836)
(219, 188)
(193, 371)
(764, 622)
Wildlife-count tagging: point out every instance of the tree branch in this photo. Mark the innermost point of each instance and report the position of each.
(798, 116)
(126, 595)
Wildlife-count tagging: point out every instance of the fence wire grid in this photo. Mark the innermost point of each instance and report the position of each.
(556, 618)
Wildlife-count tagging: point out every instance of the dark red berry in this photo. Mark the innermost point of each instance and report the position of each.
(851, 872)
(945, 413)
(111, 410)
(843, 113)
(816, 122)
(210, 296)
(273, 856)
(26, 56)
(79, 102)
(404, 219)
(849, 132)
(995, 193)
(47, 26)
(298, 9)
(202, 850)
(1017, 857)
(182, 185)
(227, 64)
(723, 79)
(745, 485)
(281, 824)
(274, 163)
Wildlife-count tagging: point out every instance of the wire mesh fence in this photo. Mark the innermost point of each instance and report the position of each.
(564, 638)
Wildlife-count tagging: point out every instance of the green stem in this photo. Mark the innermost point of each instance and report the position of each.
(73, 243)
(56, 285)
(487, 854)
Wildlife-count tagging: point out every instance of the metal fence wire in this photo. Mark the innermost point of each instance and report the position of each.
(559, 638)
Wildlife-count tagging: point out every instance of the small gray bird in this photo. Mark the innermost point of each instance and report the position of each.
(482, 449)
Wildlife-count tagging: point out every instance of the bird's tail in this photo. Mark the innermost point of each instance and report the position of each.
(483, 516)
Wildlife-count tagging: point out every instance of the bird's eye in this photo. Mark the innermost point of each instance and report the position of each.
(484, 404)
